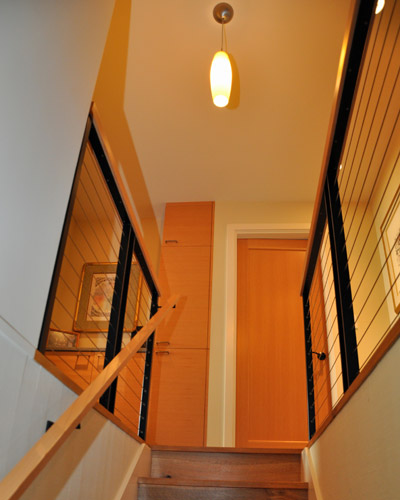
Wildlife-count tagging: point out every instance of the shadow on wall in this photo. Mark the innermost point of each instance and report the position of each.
(109, 98)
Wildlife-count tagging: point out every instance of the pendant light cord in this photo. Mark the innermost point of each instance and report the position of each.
(223, 37)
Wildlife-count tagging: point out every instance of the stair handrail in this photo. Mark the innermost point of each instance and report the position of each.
(27, 469)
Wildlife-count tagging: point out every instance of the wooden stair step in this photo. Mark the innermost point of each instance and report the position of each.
(224, 464)
(296, 450)
(195, 489)
(291, 485)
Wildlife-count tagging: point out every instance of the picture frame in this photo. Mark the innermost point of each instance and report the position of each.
(61, 340)
(93, 308)
(390, 231)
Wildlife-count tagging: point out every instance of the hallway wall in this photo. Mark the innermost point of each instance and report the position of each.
(361, 445)
(50, 55)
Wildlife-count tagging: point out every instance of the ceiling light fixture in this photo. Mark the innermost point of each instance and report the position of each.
(221, 69)
(379, 6)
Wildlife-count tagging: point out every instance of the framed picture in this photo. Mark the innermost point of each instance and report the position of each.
(390, 230)
(62, 339)
(93, 309)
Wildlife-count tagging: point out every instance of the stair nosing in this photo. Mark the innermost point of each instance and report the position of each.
(214, 449)
(215, 483)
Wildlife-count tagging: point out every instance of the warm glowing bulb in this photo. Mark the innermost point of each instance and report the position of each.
(221, 79)
(379, 6)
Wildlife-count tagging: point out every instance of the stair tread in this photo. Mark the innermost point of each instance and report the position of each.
(164, 481)
(215, 449)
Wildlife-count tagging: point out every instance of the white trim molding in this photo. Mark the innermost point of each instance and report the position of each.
(309, 475)
(235, 232)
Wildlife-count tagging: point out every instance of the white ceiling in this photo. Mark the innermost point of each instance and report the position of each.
(268, 146)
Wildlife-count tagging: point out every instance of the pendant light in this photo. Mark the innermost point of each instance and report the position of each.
(379, 6)
(221, 69)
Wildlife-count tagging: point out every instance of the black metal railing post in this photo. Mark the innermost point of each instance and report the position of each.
(341, 276)
(309, 367)
(117, 317)
(147, 374)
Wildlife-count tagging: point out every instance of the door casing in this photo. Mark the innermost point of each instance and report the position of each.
(235, 232)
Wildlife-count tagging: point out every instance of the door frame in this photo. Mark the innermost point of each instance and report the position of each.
(235, 232)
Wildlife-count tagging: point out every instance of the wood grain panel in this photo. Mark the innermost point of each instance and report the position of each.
(177, 397)
(271, 377)
(225, 466)
(202, 492)
(230, 483)
(228, 449)
(188, 224)
(186, 269)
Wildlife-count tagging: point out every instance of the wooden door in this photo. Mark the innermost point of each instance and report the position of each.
(178, 397)
(271, 398)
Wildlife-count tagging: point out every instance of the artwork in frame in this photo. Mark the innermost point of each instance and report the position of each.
(62, 339)
(390, 230)
(93, 309)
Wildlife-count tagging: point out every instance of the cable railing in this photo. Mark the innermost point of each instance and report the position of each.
(102, 291)
(351, 289)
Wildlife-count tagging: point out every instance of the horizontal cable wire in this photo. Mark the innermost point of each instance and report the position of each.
(105, 190)
(128, 386)
(375, 282)
(365, 113)
(379, 308)
(122, 396)
(372, 225)
(371, 160)
(98, 218)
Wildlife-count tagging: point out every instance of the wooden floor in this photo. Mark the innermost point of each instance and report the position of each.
(223, 473)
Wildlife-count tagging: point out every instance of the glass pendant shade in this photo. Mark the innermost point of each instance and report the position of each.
(379, 6)
(221, 79)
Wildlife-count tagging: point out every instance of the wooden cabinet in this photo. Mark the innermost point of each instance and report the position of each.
(188, 224)
(178, 396)
(177, 412)
(186, 270)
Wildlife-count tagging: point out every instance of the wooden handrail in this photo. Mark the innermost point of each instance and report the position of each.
(22, 475)
(333, 120)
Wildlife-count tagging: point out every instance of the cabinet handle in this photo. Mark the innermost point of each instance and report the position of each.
(162, 352)
(163, 342)
(171, 241)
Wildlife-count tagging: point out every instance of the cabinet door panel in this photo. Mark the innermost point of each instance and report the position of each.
(177, 397)
(186, 270)
(188, 224)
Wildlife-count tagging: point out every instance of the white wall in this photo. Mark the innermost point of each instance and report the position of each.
(358, 455)
(220, 426)
(50, 53)
(95, 462)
